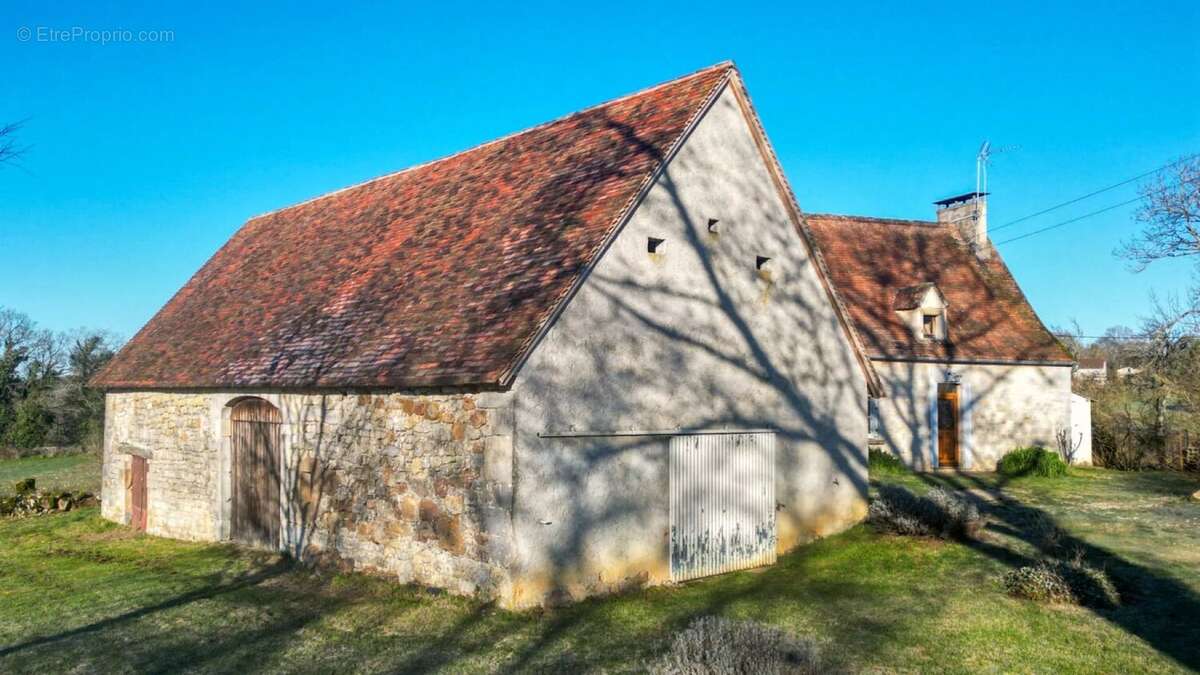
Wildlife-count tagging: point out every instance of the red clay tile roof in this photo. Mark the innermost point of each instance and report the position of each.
(441, 274)
(871, 259)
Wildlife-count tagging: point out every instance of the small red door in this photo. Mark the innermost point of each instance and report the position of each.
(137, 492)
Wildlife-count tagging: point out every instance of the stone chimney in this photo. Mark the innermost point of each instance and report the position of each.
(969, 214)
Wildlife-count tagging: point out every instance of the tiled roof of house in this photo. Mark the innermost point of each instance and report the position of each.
(1092, 364)
(870, 260)
(441, 274)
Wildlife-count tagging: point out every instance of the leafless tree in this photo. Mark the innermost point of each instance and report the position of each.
(10, 150)
(1170, 216)
(1169, 349)
(1068, 444)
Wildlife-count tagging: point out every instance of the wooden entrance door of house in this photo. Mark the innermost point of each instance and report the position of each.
(255, 439)
(137, 492)
(947, 425)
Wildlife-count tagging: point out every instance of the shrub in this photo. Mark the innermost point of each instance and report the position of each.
(1061, 581)
(25, 486)
(713, 644)
(1041, 583)
(940, 513)
(1032, 461)
(880, 462)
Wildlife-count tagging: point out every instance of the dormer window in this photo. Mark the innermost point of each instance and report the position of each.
(923, 307)
(932, 325)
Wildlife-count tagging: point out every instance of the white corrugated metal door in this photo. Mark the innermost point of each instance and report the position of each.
(722, 502)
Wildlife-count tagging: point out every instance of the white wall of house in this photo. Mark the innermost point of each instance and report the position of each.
(1081, 430)
(694, 336)
(1002, 407)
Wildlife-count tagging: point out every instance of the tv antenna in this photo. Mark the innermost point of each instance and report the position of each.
(982, 159)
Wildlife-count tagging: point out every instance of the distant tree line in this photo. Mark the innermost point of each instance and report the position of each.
(44, 397)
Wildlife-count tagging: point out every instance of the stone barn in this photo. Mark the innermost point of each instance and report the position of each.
(594, 354)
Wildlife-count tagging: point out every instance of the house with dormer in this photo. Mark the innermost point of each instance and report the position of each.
(967, 370)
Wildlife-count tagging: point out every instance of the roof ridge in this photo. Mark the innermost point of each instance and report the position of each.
(727, 64)
(876, 219)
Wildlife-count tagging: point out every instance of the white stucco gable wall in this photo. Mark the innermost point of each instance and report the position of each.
(697, 335)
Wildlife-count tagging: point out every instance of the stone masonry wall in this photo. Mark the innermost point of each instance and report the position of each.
(412, 485)
(175, 433)
(403, 485)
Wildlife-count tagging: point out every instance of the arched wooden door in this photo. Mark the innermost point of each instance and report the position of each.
(255, 439)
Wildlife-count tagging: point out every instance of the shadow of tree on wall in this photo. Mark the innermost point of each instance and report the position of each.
(307, 460)
(312, 475)
(732, 352)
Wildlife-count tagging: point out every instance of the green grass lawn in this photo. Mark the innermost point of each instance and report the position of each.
(64, 472)
(81, 594)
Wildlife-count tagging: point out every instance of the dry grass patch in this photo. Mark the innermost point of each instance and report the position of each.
(939, 513)
(714, 645)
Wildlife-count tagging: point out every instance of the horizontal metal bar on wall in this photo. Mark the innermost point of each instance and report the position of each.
(967, 362)
(643, 432)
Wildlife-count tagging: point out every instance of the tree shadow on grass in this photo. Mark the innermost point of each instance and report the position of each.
(1155, 607)
(440, 652)
(607, 628)
(98, 629)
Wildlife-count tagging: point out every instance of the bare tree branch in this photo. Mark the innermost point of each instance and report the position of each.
(10, 150)
(1170, 216)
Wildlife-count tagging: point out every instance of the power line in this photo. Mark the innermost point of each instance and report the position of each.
(1114, 337)
(1068, 222)
(1089, 195)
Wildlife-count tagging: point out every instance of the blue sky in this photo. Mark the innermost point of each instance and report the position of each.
(145, 157)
